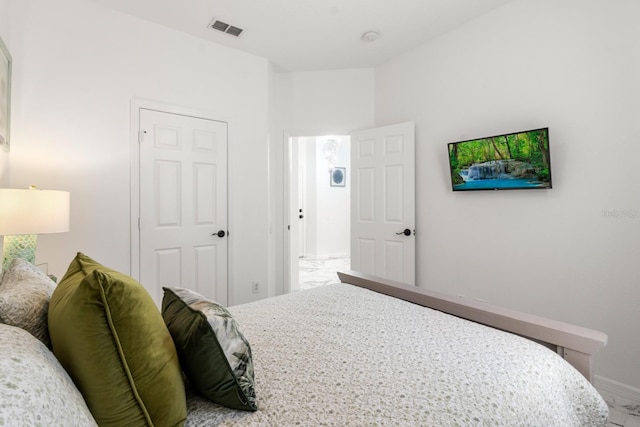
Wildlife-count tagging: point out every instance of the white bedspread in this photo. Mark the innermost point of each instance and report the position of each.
(345, 356)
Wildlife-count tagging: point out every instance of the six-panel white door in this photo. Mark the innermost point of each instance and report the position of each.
(183, 204)
(383, 202)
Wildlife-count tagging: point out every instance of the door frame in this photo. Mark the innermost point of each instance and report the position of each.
(136, 105)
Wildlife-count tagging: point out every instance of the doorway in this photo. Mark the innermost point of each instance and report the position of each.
(319, 209)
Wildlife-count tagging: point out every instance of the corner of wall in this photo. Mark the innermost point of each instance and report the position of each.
(4, 34)
(4, 168)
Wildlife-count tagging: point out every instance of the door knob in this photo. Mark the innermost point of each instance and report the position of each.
(220, 233)
(406, 232)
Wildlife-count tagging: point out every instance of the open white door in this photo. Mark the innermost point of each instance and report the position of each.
(183, 204)
(383, 202)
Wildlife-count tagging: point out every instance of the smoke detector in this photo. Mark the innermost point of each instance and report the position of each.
(225, 28)
(370, 36)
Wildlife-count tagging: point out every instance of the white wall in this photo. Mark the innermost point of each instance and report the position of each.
(274, 262)
(4, 34)
(571, 253)
(4, 155)
(332, 204)
(77, 67)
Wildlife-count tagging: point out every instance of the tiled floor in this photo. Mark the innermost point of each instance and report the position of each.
(624, 415)
(318, 272)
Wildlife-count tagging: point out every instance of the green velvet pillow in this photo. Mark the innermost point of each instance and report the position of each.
(110, 337)
(215, 355)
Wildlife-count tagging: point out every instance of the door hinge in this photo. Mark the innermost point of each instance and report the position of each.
(141, 134)
(139, 224)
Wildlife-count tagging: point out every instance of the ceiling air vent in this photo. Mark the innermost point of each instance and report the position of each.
(225, 28)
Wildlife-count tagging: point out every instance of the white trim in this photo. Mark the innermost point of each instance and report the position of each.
(286, 205)
(615, 393)
(136, 105)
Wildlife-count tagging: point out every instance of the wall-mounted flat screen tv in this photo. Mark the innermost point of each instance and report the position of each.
(510, 161)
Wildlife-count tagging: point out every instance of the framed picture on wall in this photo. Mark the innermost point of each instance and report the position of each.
(5, 95)
(338, 177)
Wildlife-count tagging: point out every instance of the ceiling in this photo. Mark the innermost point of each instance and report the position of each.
(302, 35)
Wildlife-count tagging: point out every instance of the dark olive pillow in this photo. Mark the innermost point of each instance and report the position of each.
(215, 355)
(110, 337)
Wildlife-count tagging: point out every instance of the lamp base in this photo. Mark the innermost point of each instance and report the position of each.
(20, 246)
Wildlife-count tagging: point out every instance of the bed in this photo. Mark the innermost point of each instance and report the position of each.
(372, 352)
(95, 349)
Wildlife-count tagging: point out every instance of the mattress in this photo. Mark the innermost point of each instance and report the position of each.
(340, 355)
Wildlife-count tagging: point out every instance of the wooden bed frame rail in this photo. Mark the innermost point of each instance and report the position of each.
(575, 344)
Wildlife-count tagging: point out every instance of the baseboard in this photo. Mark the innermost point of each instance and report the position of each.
(615, 393)
(325, 257)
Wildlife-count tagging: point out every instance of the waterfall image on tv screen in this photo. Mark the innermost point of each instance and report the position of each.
(503, 162)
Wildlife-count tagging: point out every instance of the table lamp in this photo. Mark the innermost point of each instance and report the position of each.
(25, 213)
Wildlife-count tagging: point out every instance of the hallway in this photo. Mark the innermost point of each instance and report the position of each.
(319, 272)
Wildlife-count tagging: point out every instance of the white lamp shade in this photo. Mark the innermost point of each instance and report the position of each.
(32, 211)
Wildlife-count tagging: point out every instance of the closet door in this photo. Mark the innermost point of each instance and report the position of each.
(183, 204)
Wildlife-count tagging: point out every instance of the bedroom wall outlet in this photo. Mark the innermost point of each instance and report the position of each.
(255, 287)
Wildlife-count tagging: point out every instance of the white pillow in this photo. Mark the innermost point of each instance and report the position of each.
(25, 292)
(34, 388)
